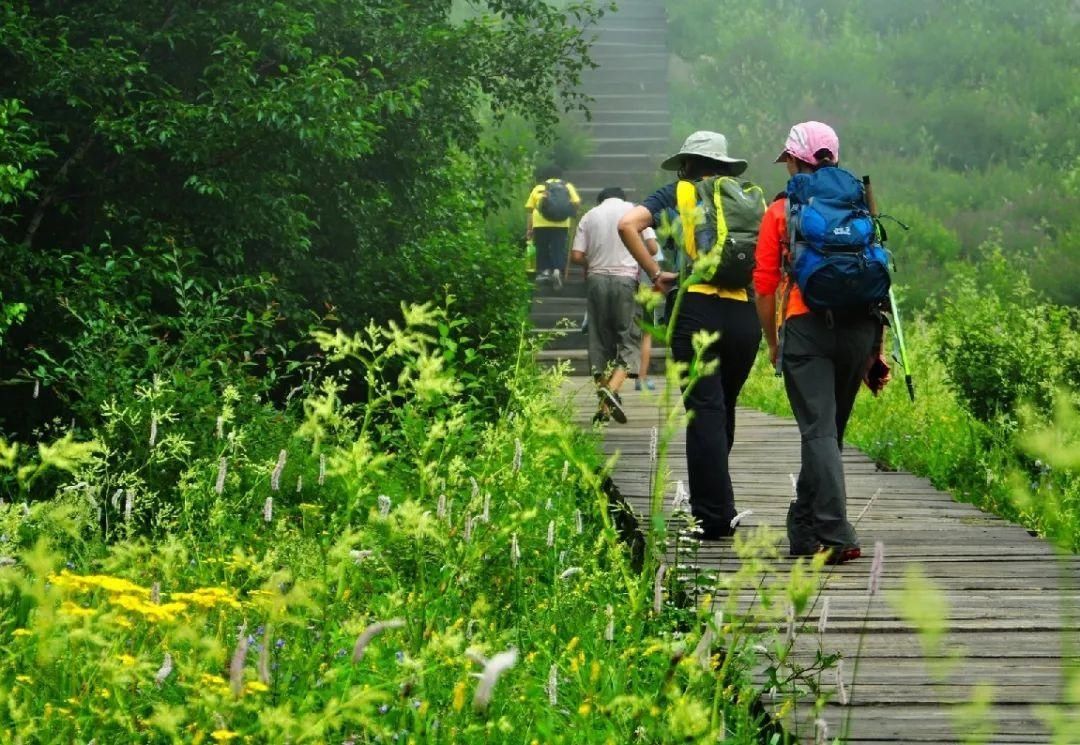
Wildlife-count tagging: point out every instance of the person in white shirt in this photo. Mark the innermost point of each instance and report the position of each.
(613, 311)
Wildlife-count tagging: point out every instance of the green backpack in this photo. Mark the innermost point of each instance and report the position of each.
(720, 218)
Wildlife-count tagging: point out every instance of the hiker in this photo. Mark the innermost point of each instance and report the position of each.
(551, 205)
(611, 287)
(726, 311)
(824, 354)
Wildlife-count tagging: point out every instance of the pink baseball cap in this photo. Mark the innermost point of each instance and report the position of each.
(806, 139)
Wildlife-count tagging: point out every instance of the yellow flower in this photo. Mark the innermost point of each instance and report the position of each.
(459, 695)
(223, 735)
(256, 686)
(208, 597)
(573, 644)
(150, 611)
(127, 660)
(22, 632)
(82, 583)
(24, 679)
(530, 657)
(74, 610)
(584, 709)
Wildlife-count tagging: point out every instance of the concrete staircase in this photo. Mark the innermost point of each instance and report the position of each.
(630, 132)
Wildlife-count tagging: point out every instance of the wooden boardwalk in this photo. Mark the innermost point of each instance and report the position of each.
(1008, 594)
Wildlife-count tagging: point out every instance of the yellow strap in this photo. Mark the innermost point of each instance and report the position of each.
(686, 201)
(721, 222)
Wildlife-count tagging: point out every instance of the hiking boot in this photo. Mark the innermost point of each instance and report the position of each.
(613, 404)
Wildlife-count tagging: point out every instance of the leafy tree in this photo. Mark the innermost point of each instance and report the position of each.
(271, 163)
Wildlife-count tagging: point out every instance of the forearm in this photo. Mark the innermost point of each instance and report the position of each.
(529, 224)
(766, 310)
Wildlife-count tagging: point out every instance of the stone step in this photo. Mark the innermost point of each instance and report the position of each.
(629, 145)
(624, 177)
(628, 163)
(578, 360)
(655, 115)
(608, 130)
(643, 35)
(614, 54)
(570, 339)
(611, 78)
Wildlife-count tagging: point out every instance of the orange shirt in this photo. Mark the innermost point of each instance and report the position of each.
(772, 245)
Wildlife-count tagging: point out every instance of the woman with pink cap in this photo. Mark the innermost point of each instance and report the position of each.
(728, 313)
(823, 360)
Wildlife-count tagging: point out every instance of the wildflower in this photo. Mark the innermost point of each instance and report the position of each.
(24, 679)
(739, 518)
(263, 665)
(866, 507)
(459, 696)
(578, 522)
(384, 505)
(236, 665)
(549, 505)
(322, 469)
(7, 561)
(165, 670)
(219, 428)
(468, 528)
(553, 685)
(703, 651)
(789, 635)
(153, 431)
(876, 568)
(275, 475)
(486, 514)
(565, 469)
(495, 667)
(475, 486)
(219, 485)
(208, 597)
(72, 610)
(681, 501)
(370, 633)
(515, 550)
(658, 588)
(570, 572)
(129, 503)
(299, 484)
(551, 533)
(841, 689)
(440, 509)
(268, 509)
(518, 449)
(155, 593)
(223, 735)
(654, 441)
(609, 630)
(821, 732)
(823, 619)
(358, 555)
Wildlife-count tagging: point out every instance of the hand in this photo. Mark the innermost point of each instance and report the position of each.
(877, 373)
(774, 351)
(665, 281)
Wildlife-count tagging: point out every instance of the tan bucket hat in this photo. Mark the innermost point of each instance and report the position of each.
(705, 144)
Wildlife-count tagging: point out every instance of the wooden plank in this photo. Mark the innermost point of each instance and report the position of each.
(1005, 589)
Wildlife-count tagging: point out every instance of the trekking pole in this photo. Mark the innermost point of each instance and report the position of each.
(898, 327)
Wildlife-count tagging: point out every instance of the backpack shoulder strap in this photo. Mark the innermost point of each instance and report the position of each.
(686, 202)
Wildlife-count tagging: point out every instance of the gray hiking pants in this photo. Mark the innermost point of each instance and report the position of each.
(823, 367)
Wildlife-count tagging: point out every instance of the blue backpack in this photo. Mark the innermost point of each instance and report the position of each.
(835, 256)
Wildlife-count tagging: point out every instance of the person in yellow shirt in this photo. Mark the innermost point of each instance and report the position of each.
(728, 313)
(550, 208)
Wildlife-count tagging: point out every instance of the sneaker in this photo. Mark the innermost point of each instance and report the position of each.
(834, 554)
(601, 417)
(613, 404)
(556, 280)
(649, 385)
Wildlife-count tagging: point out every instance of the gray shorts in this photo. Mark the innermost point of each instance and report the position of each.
(614, 333)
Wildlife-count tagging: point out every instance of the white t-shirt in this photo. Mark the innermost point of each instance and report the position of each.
(597, 237)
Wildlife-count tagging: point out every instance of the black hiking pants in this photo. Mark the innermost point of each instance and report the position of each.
(823, 366)
(710, 400)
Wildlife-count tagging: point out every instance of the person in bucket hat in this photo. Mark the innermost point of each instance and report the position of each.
(728, 313)
(825, 358)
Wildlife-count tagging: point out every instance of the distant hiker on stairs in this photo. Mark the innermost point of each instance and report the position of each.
(551, 205)
(611, 286)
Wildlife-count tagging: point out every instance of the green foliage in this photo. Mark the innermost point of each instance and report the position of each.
(322, 156)
(963, 114)
(1001, 346)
